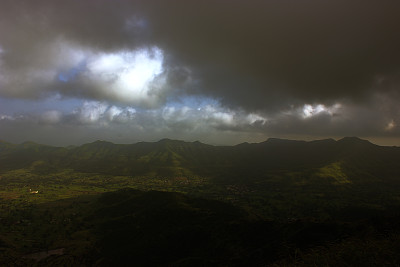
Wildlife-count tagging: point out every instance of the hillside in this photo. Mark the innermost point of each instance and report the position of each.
(178, 158)
(176, 203)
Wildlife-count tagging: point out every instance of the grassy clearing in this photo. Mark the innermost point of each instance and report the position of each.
(334, 171)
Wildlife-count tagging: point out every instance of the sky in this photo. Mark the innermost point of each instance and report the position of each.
(221, 72)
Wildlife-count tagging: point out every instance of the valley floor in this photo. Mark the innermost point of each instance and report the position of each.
(286, 219)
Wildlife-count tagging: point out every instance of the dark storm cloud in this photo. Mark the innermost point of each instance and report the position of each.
(255, 54)
(246, 53)
(99, 24)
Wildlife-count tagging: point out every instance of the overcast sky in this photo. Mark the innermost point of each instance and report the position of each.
(221, 72)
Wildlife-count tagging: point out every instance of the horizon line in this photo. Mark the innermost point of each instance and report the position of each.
(197, 141)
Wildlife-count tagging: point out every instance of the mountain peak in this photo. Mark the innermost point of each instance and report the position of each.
(244, 144)
(354, 140)
(198, 142)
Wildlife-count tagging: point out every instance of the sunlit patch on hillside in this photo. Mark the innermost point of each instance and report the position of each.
(334, 171)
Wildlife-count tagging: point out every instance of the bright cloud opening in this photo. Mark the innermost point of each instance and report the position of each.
(390, 125)
(128, 75)
(309, 111)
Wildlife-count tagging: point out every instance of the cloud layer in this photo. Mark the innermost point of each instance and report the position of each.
(265, 68)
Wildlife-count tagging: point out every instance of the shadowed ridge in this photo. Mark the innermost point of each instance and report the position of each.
(173, 141)
(345, 140)
(28, 144)
(197, 142)
(355, 141)
(71, 147)
(4, 146)
(176, 145)
(166, 140)
(96, 145)
(323, 141)
(244, 144)
(100, 142)
(279, 141)
(175, 158)
(329, 146)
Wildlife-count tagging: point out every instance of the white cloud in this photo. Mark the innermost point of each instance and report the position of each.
(253, 118)
(131, 76)
(309, 111)
(91, 111)
(6, 118)
(210, 116)
(114, 112)
(223, 117)
(102, 114)
(126, 76)
(121, 115)
(174, 114)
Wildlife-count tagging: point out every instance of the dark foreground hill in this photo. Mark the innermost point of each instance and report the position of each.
(135, 228)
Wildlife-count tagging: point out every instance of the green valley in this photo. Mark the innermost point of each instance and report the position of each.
(279, 203)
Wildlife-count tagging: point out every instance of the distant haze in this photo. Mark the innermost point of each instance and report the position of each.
(221, 72)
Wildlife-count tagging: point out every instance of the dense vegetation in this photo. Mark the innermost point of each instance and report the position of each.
(279, 202)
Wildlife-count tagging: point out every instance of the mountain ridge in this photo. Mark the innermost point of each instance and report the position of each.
(346, 139)
(176, 158)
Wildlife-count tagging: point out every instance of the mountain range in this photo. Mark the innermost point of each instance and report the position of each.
(172, 158)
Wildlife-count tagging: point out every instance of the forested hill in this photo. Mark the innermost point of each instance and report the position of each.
(178, 158)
